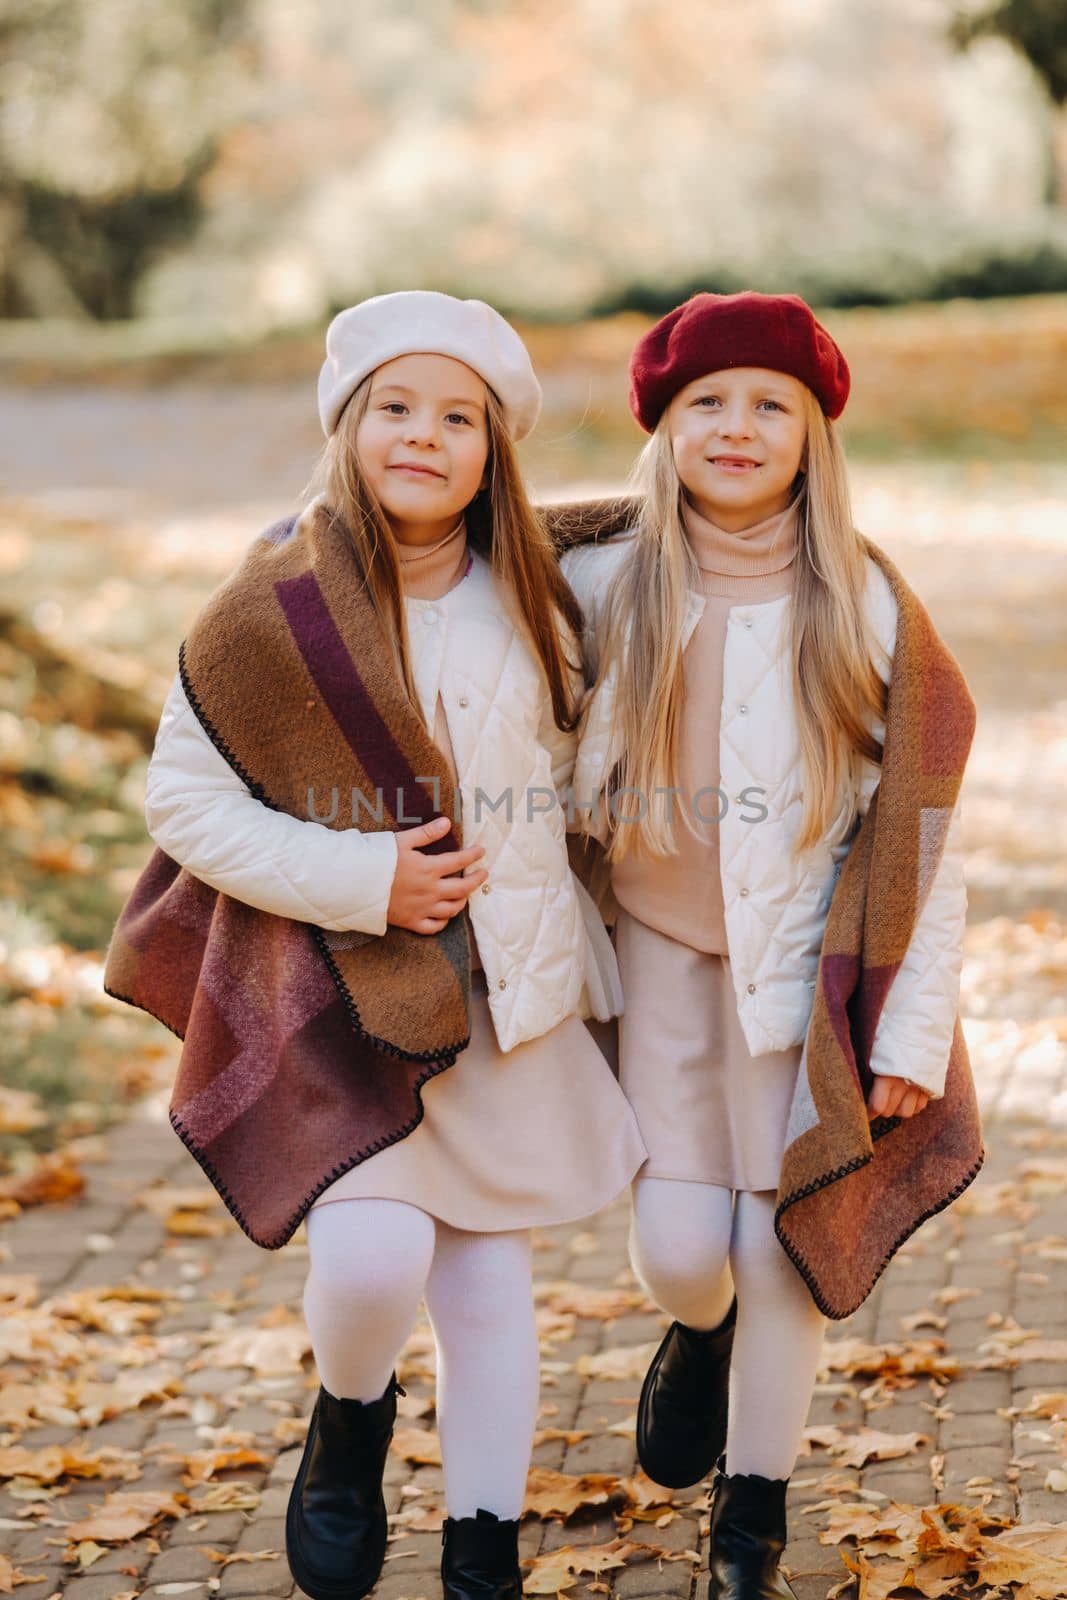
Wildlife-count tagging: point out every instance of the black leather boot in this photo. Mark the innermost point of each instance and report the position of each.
(480, 1558)
(681, 1416)
(335, 1525)
(748, 1536)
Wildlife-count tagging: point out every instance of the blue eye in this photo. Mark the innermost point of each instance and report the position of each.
(708, 400)
(773, 403)
(394, 406)
(457, 416)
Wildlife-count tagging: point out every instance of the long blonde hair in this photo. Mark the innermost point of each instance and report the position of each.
(502, 525)
(838, 692)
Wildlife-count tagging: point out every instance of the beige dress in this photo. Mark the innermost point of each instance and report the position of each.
(708, 1110)
(538, 1135)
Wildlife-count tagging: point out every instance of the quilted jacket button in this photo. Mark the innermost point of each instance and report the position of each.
(744, 893)
(742, 709)
(429, 616)
(502, 984)
(485, 888)
(463, 701)
(752, 988)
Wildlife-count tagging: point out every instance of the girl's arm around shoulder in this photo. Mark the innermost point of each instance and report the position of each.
(590, 569)
(202, 815)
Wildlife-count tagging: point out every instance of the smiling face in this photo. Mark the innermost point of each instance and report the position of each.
(738, 440)
(423, 443)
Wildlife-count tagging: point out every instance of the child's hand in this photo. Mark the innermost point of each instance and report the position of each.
(895, 1097)
(428, 890)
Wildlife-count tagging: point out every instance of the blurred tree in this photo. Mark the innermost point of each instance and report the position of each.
(111, 112)
(1037, 27)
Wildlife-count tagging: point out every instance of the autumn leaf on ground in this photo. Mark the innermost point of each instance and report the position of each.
(270, 1352)
(560, 1435)
(224, 1558)
(120, 1309)
(560, 1494)
(10, 1575)
(1034, 1554)
(290, 1430)
(894, 1527)
(1051, 1406)
(622, 1363)
(417, 1445)
(865, 1444)
(55, 1461)
(932, 1579)
(164, 1198)
(924, 1319)
(425, 1517)
(555, 1571)
(914, 1358)
(642, 1494)
(225, 1497)
(201, 1465)
(554, 1328)
(52, 1179)
(97, 1402)
(125, 1514)
(583, 1300)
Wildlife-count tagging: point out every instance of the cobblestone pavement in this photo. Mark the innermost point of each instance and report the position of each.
(998, 1259)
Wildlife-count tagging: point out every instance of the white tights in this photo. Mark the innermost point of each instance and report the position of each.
(372, 1261)
(691, 1245)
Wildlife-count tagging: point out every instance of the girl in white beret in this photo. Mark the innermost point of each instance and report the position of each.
(771, 758)
(409, 634)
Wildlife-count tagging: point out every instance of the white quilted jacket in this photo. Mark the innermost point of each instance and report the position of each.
(776, 902)
(545, 951)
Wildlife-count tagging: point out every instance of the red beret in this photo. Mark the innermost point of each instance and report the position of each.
(713, 331)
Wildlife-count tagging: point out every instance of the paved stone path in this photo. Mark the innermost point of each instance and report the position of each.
(1004, 1245)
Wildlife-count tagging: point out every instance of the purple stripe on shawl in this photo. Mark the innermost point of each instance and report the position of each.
(838, 976)
(868, 1005)
(337, 679)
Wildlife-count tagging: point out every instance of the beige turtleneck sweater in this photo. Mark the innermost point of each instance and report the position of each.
(682, 896)
(430, 576)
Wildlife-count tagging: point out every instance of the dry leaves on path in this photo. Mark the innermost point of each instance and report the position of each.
(856, 1448)
(625, 1363)
(583, 1300)
(948, 1549)
(125, 1514)
(51, 1180)
(418, 1446)
(56, 1461)
(560, 1494)
(269, 1352)
(556, 1571)
(897, 1363)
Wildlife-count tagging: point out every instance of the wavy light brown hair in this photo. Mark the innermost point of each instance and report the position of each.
(839, 695)
(502, 525)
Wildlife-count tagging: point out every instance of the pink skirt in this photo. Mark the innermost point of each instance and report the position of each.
(539, 1135)
(708, 1110)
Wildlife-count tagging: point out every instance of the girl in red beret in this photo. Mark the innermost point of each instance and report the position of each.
(743, 641)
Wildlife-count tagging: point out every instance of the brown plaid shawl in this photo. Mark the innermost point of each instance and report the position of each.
(851, 1192)
(305, 1051)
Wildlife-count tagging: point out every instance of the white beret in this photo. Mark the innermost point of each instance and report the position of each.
(417, 321)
